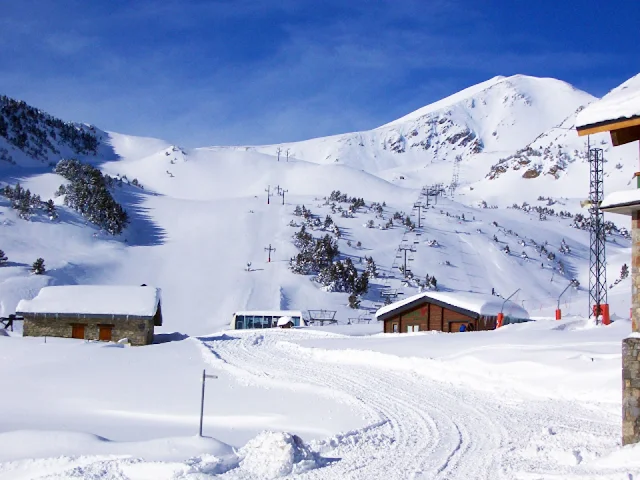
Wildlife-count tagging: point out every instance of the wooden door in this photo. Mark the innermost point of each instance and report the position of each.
(77, 331)
(455, 326)
(104, 334)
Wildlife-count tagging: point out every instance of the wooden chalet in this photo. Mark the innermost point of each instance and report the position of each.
(93, 312)
(448, 312)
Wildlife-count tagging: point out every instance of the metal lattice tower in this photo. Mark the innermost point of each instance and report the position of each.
(597, 257)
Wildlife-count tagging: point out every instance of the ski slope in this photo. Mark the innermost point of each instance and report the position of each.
(539, 400)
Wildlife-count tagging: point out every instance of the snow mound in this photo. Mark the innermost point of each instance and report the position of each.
(276, 454)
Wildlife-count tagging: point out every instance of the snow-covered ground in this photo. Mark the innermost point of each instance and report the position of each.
(534, 400)
(537, 400)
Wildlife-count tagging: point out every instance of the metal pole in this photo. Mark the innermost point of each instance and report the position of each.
(202, 401)
(507, 299)
(405, 263)
(566, 288)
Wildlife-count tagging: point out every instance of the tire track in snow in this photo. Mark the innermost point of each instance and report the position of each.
(423, 429)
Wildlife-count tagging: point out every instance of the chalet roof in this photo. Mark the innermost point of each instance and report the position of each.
(620, 108)
(624, 202)
(94, 300)
(467, 303)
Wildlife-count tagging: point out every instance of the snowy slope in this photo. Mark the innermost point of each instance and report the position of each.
(201, 214)
(422, 405)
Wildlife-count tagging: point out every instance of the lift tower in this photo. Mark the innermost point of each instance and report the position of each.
(597, 258)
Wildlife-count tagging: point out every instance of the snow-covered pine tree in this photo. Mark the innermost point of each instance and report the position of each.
(37, 267)
(371, 268)
(3, 258)
(50, 209)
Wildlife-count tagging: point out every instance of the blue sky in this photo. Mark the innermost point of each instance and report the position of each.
(257, 71)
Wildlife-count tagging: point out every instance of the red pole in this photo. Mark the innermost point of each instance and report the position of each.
(559, 314)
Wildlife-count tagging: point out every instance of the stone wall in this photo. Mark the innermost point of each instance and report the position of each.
(630, 390)
(139, 331)
(635, 271)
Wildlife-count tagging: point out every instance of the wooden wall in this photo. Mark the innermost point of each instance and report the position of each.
(428, 316)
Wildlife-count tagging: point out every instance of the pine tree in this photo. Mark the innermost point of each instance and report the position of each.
(624, 271)
(38, 267)
(3, 258)
(50, 209)
(372, 268)
(354, 301)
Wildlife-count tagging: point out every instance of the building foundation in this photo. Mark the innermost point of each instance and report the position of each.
(631, 390)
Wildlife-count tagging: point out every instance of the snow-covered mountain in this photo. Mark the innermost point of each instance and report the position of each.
(492, 119)
(198, 216)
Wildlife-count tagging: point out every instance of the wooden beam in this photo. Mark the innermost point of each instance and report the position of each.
(608, 126)
(625, 135)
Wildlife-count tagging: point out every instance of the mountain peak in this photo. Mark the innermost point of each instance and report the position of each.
(519, 84)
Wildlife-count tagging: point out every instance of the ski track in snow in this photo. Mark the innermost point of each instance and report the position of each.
(421, 428)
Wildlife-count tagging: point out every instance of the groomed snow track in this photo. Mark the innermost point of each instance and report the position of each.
(420, 428)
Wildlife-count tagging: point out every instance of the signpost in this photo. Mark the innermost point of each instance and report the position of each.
(204, 377)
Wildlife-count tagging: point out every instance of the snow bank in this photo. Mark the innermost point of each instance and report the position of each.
(94, 299)
(481, 304)
(25, 444)
(621, 102)
(276, 454)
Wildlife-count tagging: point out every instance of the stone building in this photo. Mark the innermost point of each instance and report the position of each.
(93, 312)
(448, 312)
(618, 113)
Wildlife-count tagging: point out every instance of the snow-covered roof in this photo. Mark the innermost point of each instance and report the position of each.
(271, 313)
(482, 304)
(94, 300)
(623, 102)
(624, 202)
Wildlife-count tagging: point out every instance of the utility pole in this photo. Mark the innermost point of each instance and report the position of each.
(405, 249)
(268, 190)
(278, 190)
(204, 377)
(283, 192)
(269, 249)
(278, 152)
(419, 206)
(287, 154)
